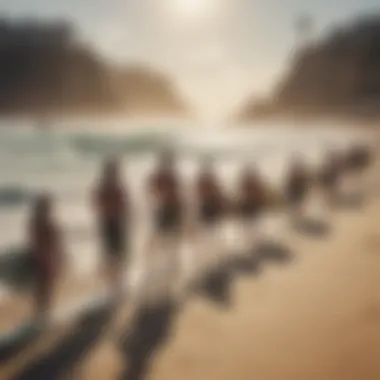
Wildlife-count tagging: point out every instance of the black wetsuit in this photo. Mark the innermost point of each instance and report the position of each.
(250, 203)
(112, 221)
(169, 213)
(211, 206)
(43, 250)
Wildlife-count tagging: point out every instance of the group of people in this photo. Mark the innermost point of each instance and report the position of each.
(112, 205)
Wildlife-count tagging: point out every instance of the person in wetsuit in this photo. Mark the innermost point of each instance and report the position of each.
(168, 220)
(252, 195)
(164, 186)
(46, 254)
(111, 205)
(297, 185)
(211, 200)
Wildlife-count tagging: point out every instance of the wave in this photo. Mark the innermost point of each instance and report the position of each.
(14, 196)
(90, 144)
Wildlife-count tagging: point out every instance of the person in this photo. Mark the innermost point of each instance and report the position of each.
(297, 186)
(211, 200)
(111, 205)
(46, 252)
(330, 175)
(212, 207)
(164, 189)
(252, 195)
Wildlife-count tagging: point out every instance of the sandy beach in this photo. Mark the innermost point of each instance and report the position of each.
(312, 312)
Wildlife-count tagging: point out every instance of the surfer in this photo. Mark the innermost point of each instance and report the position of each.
(46, 254)
(111, 205)
(297, 185)
(252, 195)
(168, 214)
(211, 200)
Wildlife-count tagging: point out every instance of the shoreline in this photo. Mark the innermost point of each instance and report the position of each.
(239, 340)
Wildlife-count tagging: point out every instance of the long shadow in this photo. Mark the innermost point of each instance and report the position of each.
(216, 285)
(248, 264)
(16, 341)
(314, 228)
(274, 252)
(349, 201)
(16, 269)
(70, 349)
(150, 329)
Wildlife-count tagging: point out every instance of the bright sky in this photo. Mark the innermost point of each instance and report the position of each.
(218, 51)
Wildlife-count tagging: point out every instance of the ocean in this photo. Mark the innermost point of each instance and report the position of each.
(65, 162)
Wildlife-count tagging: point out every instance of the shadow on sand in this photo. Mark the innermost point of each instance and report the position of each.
(16, 269)
(216, 285)
(312, 227)
(247, 265)
(61, 358)
(352, 201)
(149, 330)
(16, 341)
(273, 251)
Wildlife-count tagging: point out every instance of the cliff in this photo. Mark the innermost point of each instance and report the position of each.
(44, 69)
(336, 76)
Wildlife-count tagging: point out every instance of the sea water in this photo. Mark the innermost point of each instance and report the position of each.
(65, 162)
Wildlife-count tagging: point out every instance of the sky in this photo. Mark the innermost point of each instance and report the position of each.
(218, 52)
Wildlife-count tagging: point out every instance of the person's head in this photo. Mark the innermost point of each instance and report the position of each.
(42, 208)
(111, 170)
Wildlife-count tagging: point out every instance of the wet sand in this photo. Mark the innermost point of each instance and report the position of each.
(312, 313)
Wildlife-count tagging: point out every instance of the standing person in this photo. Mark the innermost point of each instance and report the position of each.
(252, 199)
(168, 217)
(252, 195)
(111, 205)
(211, 211)
(330, 176)
(46, 254)
(297, 186)
(212, 202)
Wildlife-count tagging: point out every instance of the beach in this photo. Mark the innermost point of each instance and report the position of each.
(309, 310)
(315, 315)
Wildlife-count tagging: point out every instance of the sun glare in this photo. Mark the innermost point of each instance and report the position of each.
(192, 8)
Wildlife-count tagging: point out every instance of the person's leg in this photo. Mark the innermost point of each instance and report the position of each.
(43, 296)
(114, 254)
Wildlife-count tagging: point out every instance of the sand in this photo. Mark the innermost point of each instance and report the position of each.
(315, 315)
